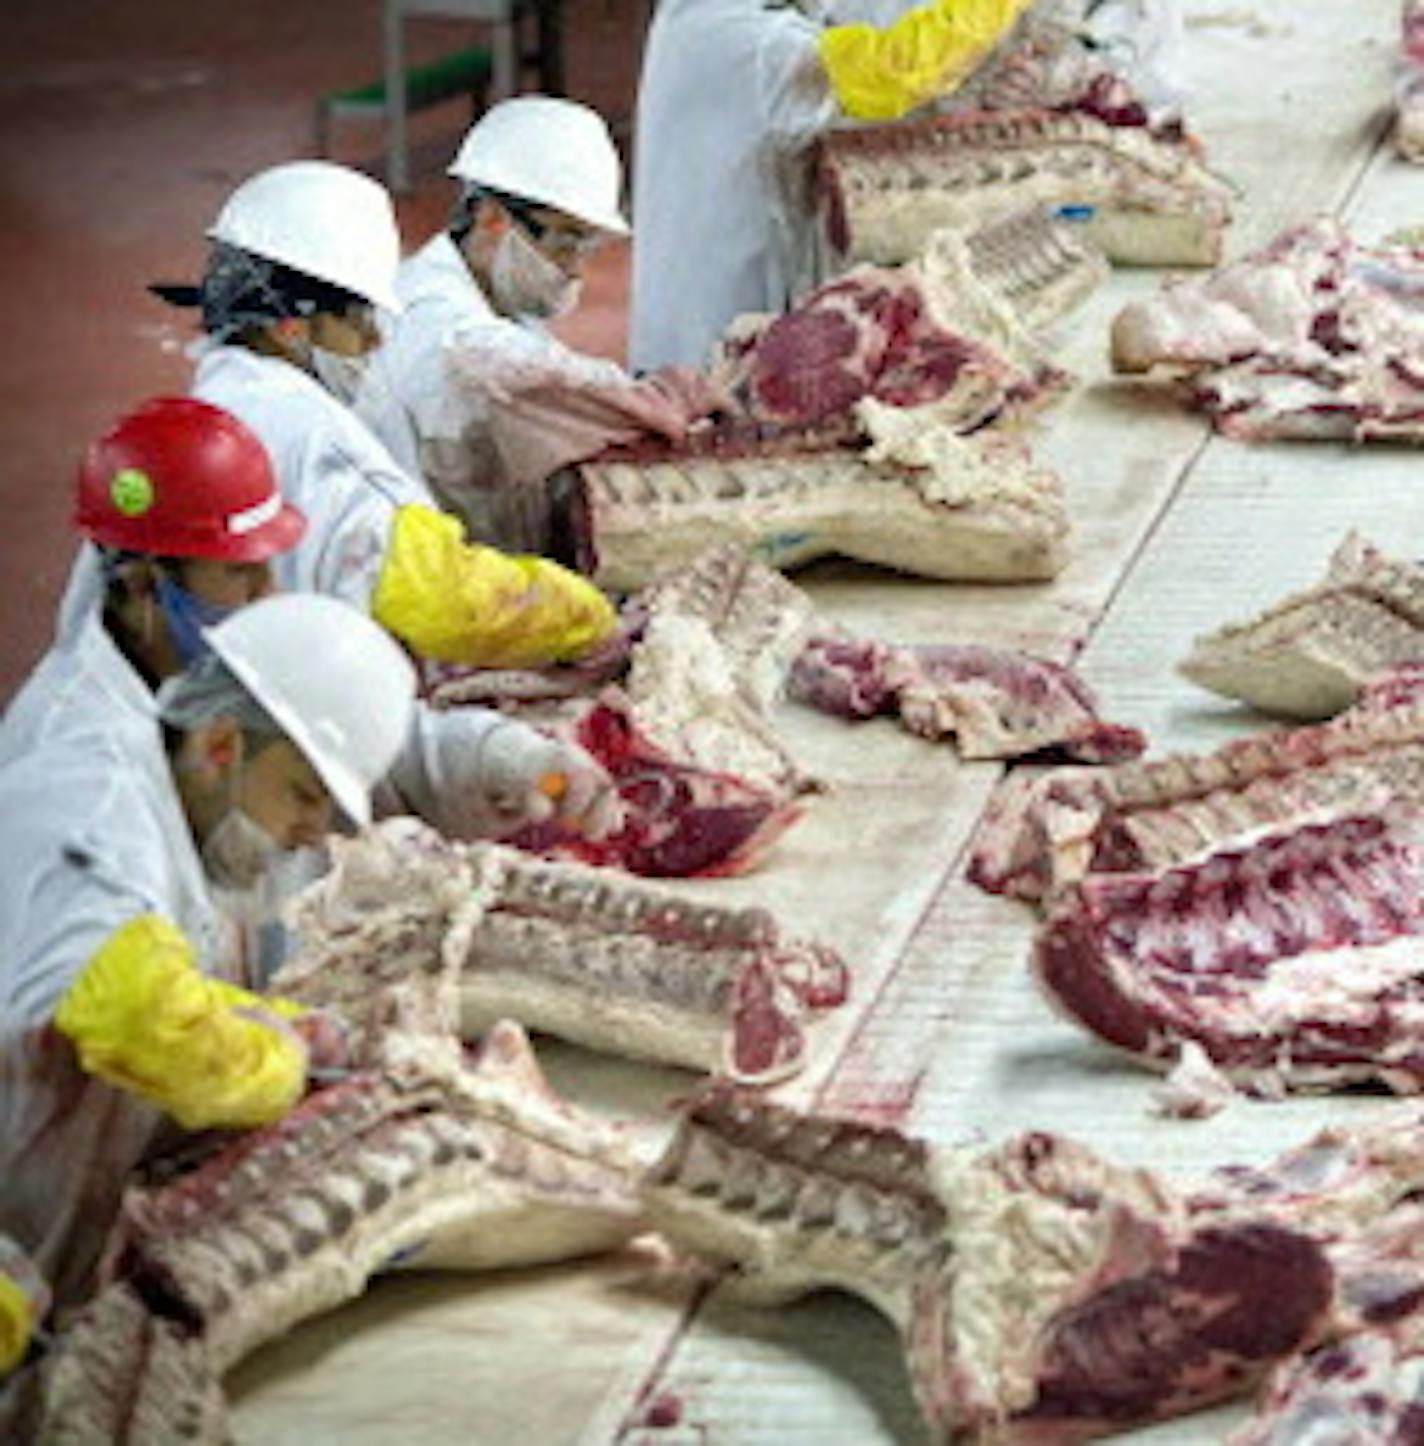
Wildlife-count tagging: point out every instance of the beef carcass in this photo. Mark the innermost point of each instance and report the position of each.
(1309, 655)
(920, 499)
(1295, 962)
(1043, 831)
(886, 189)
(1316, 338)
(1409, 84)
(995, 703)
(927, 331)
(577, 952)
(467, 1168)
(1044, 1294)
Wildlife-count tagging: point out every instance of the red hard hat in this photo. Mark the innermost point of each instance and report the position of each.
(182, 478)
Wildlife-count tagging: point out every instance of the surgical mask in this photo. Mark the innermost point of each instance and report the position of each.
(527, 283)
(188, 616)
(341, 375)
(239, 851)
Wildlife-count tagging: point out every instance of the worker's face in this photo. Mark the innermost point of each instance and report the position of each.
(284, 795)
(561, 238)
(352, 333)
(224, 584)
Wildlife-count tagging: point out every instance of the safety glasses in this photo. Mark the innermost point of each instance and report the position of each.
(555, 237)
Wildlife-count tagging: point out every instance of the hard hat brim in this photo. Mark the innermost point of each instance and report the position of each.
(345, 788)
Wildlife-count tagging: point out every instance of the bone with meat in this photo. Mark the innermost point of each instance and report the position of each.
(1294, 962)
(943, 506)
(928, 331)
(1044, 831)
(1316, 338)
(886, 189)
(578, 952)
(995, 703)
(468, 1168)
(1309, 655)
(706, 783)
(1044, 1295)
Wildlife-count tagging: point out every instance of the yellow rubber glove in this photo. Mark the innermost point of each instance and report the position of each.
(882, 74)
(142, 1017)
(17, 1323)
(458, 602)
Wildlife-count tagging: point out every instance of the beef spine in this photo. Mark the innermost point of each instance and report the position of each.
(995, 703)
(1314, 338)
(1044, 1295)
(463, 1168)
(578, 952)
(886, 189)
(1043, 832)
(1309, 655)
(1295, 962)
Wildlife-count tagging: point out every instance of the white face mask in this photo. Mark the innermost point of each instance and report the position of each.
(239, 851)
(527, 283)
(340, 375)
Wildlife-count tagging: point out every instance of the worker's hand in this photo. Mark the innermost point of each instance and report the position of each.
(528, 777)
(692, 393)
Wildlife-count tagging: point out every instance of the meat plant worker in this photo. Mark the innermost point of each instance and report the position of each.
(185, 523)
(470, 388)
(126, 1009)
(303, 255)
(732, 92)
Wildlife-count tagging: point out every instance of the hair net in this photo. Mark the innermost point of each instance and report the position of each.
(208, 689)
(239, 290)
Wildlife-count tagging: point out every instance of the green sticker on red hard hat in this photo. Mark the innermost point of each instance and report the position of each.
(132, 492)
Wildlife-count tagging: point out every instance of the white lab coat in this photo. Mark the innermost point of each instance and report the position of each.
(92, 834)
(731, 94)
(435, 391)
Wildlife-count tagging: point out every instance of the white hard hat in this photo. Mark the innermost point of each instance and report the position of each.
(556, 152)
(321, 219)
(336, 682)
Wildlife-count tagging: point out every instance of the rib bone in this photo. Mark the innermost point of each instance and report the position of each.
(885, 189)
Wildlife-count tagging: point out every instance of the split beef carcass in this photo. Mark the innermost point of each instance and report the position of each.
(1409, 83)
(1315, 338)
(468, 1168)
(1295, 961)
(933, 504)
(1309, 655)
(582, 953)
(884, 190)
(994, 702)
(1045, 1295)
(1045, 830)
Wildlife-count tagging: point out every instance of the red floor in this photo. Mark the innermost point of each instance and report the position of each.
(122, 128)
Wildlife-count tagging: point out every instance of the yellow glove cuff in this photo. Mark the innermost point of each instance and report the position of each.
(142, 1017)
(882, 74)
(459, 602)
(17, 1324)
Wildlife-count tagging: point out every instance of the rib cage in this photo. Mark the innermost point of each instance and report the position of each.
(886, 188)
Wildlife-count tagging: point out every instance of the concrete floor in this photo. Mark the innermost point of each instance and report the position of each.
(122, 128)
